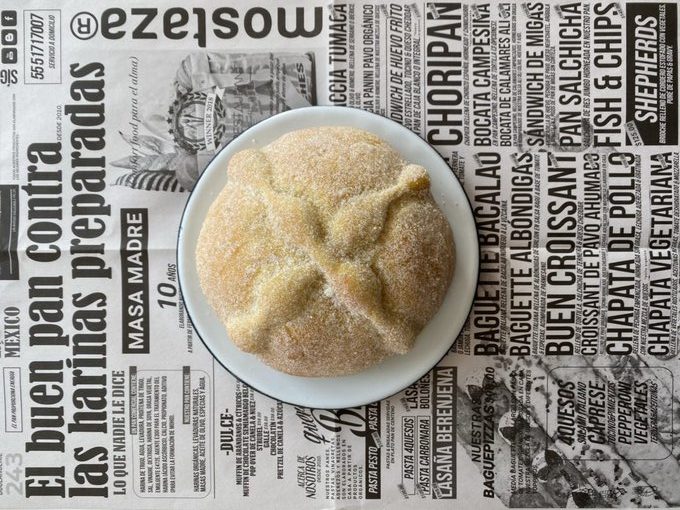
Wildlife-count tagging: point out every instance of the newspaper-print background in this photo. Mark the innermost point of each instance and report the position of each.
(560, 118)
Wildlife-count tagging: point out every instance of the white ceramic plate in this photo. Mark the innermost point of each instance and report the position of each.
(396, 372)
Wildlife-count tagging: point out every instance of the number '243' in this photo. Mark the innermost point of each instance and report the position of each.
(13, 471)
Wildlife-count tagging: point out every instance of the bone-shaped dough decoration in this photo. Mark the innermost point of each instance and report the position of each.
(354, 227)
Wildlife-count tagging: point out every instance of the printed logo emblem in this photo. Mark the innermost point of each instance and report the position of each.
(8, 37)
(84, 25)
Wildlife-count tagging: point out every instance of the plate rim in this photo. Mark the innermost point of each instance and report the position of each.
(180, 255)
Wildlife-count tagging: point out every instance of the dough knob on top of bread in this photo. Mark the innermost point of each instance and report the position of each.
(325, 252)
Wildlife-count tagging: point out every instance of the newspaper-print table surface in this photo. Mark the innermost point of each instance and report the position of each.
(560, 119)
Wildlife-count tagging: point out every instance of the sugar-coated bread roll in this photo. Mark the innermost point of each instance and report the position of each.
(325, 252)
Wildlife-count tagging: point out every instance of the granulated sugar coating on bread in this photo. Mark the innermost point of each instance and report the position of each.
(325, 252)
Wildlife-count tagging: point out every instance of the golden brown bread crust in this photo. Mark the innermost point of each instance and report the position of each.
(325, 252)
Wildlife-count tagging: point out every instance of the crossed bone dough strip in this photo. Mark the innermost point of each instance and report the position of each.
(325, 252)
